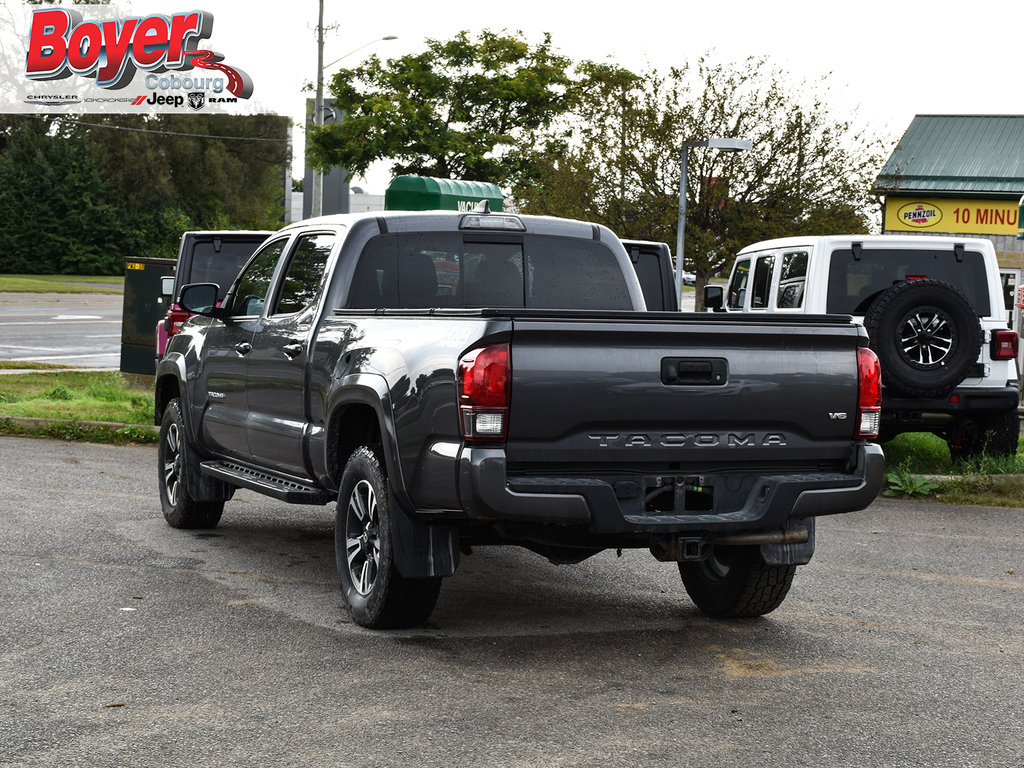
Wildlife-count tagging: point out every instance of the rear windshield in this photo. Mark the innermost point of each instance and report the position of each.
(853, 283)
(436, 269)
(221, 267)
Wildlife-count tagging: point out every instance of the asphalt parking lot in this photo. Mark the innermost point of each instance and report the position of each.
(82, 330)
(126, 642)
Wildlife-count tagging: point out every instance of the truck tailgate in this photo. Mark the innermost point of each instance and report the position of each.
(667, 389)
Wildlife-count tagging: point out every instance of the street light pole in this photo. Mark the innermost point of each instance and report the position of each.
(723, 145)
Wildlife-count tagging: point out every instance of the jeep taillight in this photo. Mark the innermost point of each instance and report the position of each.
(1004, 345)
(869, 394)
(175, 319)
(484, 389)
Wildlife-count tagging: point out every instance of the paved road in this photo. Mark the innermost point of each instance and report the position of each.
(68, 329)
(125, 642)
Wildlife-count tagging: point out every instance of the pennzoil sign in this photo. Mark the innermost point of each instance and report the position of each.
(919, 215)
(968, 216)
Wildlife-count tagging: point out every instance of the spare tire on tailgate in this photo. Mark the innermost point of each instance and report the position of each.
(926, 335)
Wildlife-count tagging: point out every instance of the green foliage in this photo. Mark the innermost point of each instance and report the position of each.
(907, 485)
(79, 196)
(924, 453)
(59, 393)
(460, 109)
(616, 159)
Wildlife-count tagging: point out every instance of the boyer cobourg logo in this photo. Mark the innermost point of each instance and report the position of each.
(114, 52)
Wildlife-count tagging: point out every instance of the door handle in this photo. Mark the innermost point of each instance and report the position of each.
(243, 347)
(292, 350)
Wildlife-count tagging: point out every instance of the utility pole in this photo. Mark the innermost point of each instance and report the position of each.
(318, 111)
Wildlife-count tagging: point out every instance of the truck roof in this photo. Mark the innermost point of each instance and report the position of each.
(875, 241)
(451, 220)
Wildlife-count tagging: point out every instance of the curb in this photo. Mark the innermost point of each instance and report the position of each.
(36, 423)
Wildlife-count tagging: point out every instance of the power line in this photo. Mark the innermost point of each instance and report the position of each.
(160, 133)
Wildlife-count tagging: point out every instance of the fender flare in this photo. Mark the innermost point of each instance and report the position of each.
(372, 390)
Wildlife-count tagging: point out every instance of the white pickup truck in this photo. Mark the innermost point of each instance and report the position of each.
(935, 315)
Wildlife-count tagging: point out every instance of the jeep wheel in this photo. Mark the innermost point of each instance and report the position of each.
(736, 582)
(926, 334)
(994, 435)
(174, 455)
(378, 596)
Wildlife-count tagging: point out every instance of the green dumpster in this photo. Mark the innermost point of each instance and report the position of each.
(143, 309)
(422, 193)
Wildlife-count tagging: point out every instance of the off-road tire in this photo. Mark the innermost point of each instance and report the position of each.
(736, 582)
(993, 435)
(174, 456)
(378, 596)
(926, 335)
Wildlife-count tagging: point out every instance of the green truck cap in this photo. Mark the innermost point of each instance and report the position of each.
(422, 193)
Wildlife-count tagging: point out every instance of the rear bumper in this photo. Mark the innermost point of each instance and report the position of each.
(668, 504)
(963, 401)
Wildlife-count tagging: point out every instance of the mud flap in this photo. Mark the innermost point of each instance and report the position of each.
(791, 554)
(204, 488)
(422, 551)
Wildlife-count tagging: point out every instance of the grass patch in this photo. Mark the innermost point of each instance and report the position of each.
(996, 481)
(61, 284)
(925, 454)
(112, 434)
(14, 365)
(75, 396)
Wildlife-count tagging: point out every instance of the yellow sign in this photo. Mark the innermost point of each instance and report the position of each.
(135, 265)
(954, 215)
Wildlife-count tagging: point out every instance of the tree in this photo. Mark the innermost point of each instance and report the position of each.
(80, 196)
(460, 109)
(808, 172)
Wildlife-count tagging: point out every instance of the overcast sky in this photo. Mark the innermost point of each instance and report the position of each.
(885, 61)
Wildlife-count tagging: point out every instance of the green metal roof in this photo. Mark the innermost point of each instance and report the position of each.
(423, 193)
(957, 155)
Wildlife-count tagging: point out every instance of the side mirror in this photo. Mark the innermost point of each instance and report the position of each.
(167, 285)
(714, 298)
(200, 299)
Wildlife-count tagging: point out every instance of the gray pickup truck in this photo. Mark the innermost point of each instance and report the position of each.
(454, 380)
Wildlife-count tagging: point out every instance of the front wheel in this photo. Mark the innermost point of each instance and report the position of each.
(736, 582)
(174, 455)
(378, 596)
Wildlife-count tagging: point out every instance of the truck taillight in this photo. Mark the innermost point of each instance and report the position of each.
(484, 389)
(869, 394)
(175, 319)
(1004, 345)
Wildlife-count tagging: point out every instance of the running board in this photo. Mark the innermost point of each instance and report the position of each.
(285, 489)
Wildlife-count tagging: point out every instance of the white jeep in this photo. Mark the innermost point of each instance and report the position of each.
(935, 313)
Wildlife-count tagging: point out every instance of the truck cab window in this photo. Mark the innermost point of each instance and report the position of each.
(305, 272)
(738, 286)
(251, 291)
(792, 277)
(762, 284)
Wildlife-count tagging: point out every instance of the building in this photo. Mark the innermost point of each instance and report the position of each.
(959, 175)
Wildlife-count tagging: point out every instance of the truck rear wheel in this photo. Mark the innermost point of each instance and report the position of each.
(736, 582)
(993, 435)
(378, 596)
(174, 455)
